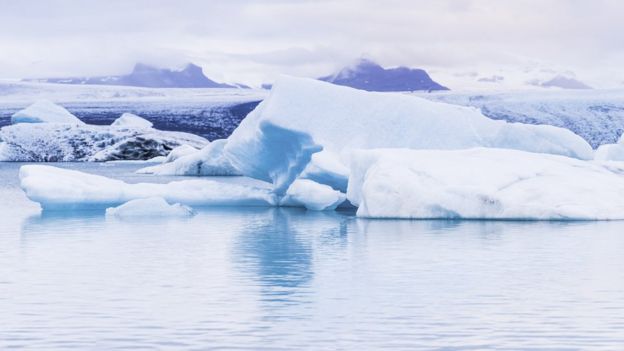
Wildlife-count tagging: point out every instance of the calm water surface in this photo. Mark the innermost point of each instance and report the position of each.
(289, 279)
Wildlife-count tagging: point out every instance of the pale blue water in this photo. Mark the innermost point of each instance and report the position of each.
(285, 279)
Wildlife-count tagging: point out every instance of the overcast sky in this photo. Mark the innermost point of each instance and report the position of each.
(251, 41)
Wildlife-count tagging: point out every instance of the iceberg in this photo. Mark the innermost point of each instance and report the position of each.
(151, 207)
(180, 151)
(44, 111)
(313, 196)
(132, 121)
(209, 161)
(482, 183)
(55, 142)
(611, 152)
(63, 189)
(301, 117)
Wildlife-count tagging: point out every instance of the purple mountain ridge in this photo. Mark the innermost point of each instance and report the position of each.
(368, 75)
(191, 76)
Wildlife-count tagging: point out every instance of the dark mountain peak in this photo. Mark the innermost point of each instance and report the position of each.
(366, 74)
(192, 68)
(364, 64)
(564, 82)
(142, 68)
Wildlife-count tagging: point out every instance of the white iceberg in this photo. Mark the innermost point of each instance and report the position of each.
(313, 196)
(152, 207)
(129, 120)
(44, 111)
(62, 189)
(209, 161)
(483, 183)
(178, 152)
(55, 142)
(610, 152)
(276, 141)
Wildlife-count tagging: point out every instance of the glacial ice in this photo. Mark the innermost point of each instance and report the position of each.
(610, 152)
(130, 120)
(482, 183)
(44, 111)
(53, 142)
(313, 196)
(595, 115)
(151, 207)
(301, 117)
(209, 161)
(180, 151)
(63, 189)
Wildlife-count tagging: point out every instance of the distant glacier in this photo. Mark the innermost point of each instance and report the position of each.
(595, 115)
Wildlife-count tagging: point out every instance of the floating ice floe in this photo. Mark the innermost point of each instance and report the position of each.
(483, 183)
(301, 117)
(209, 161)
(62, 189)
(313, 196)
(153, 207)
(131, 139)
(44, 111)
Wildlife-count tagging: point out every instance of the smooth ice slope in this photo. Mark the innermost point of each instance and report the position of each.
(44, 111)
(63, 189)
(132, 121)
(152, 207)
(483, 183)
(208, 161)
(303, 116)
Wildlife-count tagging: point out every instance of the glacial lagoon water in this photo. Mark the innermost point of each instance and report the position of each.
(287, 279)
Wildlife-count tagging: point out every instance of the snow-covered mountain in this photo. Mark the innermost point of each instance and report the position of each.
(368, 75)
(191, 76)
